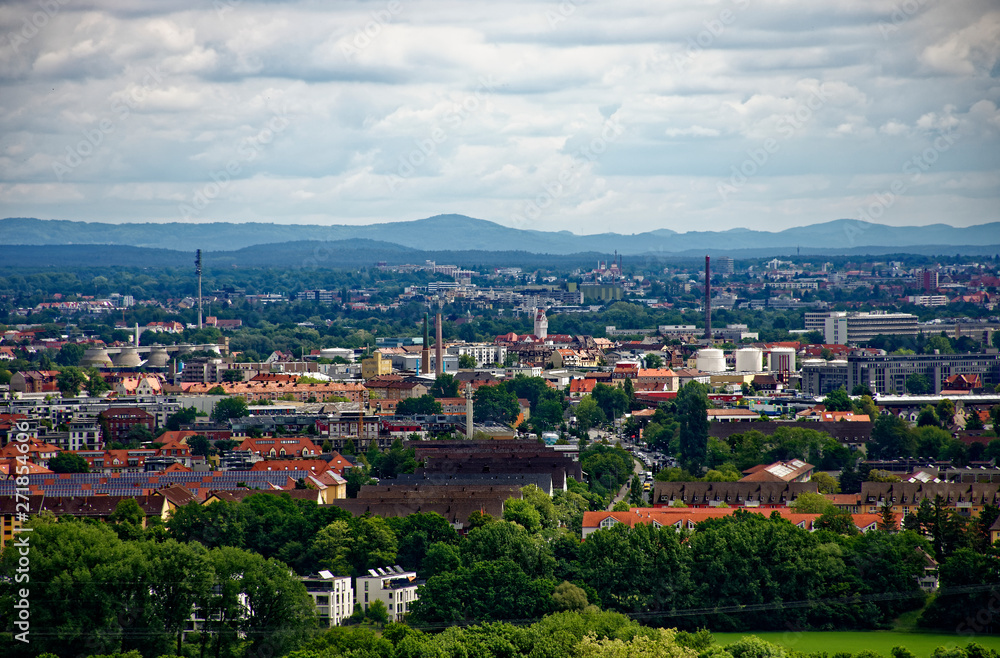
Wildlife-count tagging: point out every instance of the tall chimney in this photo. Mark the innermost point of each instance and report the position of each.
(708, 299)
(438, 357)
(197, 269)
(425, 351)
(468, 411)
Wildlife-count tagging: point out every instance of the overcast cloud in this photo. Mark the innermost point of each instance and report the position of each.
(584, 116)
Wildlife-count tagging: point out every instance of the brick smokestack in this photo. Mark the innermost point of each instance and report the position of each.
(425, 351)
(708, 299)
(439, 363)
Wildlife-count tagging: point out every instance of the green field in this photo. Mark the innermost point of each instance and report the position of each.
(921, 644)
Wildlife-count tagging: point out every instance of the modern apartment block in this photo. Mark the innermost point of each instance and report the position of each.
(333, 596)
(396, 588)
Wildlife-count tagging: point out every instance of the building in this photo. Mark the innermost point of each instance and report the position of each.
(840, 327)
(795, 470)
(375, 366)
(485, 354)
(396, 588)
(887, 374)
(117, 421)
(333, 597)
(820, 376)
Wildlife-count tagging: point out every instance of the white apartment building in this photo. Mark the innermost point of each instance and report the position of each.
(484, 353)
(333, 597)
(396, 588)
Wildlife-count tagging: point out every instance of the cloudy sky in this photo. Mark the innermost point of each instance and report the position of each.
(580, 115)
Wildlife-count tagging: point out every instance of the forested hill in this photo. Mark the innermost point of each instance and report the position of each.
(458, 232)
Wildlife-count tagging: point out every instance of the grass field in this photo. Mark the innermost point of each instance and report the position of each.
(921, 644)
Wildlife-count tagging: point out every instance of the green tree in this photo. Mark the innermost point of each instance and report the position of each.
(227, 409)
(96, 386)
(232, 375)
(973, 423)
(891, 438)
(653, 360)
(810, 503)
(946, 412)
(495, 404)
(692, 406)
(68, 462)
(928, 417)
(70, 381)
(423, 405)
(917, 384)
(568, 596)
(199, 445)
(838, 400)
(445, 386)
(70, 354)
(466, 361)
(825, 483)
(612, 400)
(588, 413)
(184, 416)
(523, 513)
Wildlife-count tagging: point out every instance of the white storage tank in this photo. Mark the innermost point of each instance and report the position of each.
(711, 360)
(749, 359)
(781, 359)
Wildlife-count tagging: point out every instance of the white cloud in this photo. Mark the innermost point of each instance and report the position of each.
(481, 108)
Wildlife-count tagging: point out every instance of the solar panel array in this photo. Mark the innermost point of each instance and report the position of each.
(133, 484)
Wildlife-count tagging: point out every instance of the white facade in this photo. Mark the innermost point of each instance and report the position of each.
(485, 354)
(396, 588)
(333, 597)
(835, 329)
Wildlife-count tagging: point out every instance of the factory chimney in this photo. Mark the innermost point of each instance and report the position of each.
(438, 356)
(708, 299)
(468, 411)
(197, 270)
(425, 351)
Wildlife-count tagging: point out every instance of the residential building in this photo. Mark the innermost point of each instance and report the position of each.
(485, 354)
(333, 597)
(117, 421)
(396, 588)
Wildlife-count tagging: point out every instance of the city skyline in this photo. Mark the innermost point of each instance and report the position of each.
(557, 116)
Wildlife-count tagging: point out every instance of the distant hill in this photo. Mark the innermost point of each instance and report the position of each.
(448, 233)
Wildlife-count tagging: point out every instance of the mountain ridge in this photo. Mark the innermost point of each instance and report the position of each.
(461, 233)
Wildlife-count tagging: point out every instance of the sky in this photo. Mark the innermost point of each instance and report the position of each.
(581, 115)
